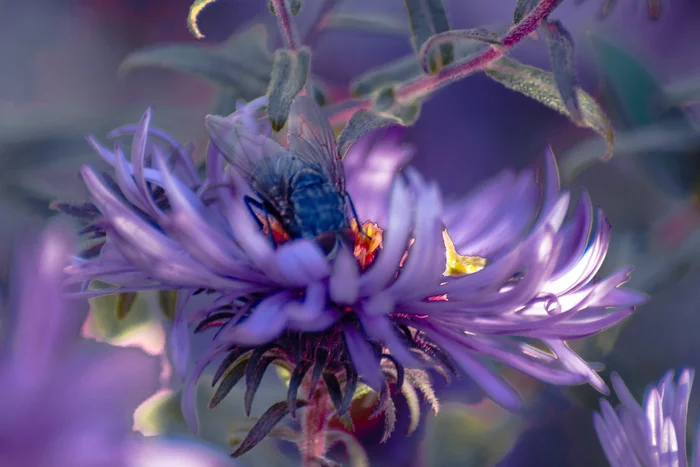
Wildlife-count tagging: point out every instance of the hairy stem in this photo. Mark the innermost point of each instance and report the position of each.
(285, 21)
(314, 424)
(427, 84)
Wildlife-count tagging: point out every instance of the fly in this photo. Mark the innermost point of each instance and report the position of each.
(302, 188)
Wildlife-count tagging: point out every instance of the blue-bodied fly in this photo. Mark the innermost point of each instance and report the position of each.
(303, 187)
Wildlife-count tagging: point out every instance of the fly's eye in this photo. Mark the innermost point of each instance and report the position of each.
(328, 242)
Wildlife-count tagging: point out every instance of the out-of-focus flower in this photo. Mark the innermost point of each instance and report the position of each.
(66, 400)
(653, 435)
(478, 279)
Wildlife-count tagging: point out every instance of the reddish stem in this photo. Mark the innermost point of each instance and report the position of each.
(427, 84)
(314, 424)
(285, 22)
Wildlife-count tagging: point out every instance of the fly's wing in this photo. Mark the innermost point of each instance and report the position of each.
(312, 141)
(255, 156)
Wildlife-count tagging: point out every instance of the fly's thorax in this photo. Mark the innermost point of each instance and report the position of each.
(317, 203)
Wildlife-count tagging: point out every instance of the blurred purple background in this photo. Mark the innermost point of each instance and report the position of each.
(60, 80)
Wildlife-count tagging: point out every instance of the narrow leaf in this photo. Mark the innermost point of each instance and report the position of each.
(369, 23)
(265, 424)
(195, 10)
(252, 384)
(226, 364)
(124, 303)
(350, 387)
(319, 365)
(243, 63)
(289, 72)
(421, 381)
(399, 70)
(389, 420)
(539, 85)
(230, 379)
(561, 56)
(298, 374)
(362, 121)
(334, 391)
(413, 407)
(167, 299)
(427, 17)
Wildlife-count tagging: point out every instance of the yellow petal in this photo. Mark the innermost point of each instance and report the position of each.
(457, 265)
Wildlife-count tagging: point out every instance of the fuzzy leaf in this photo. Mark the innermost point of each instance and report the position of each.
(243, 63)
(241, 427)
(195, 10)
(384, 99)
(108, 325)
(427, 50)
(421, 381)
(356, 453)
(265, 424)
(389, 420)
(523, 7)
(539, 85)
(413, 406)
(427, 17)
(561, 56)
(289, 72)
(362, 121)
(407, 114)
(231, 377)
(124, 303)
(399, 70)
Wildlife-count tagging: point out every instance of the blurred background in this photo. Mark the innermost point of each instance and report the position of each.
(61, 78)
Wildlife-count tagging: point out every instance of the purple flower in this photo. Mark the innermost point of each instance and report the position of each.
(448, 285)
(650, 436)
(66, 400)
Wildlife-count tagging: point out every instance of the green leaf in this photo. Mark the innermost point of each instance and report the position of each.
(428, 17)
(106, 314)
(289, 72)
(403, 69)
(561, 56)
(384, 100)
(369, 23)
(362, 121)
(243, 63)
(539, 85)
(470, 436)
(124, 303)
(672, 138)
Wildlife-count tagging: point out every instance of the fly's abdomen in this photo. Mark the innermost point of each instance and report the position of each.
(318, 206)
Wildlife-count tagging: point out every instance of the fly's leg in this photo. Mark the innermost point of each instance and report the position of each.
(251, 203)
(357, 218)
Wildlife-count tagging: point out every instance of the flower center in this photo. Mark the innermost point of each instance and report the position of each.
(367, 242)
(457, 265)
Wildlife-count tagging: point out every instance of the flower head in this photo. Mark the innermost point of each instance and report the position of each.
(446, 285)
(653, 435)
